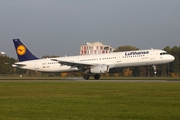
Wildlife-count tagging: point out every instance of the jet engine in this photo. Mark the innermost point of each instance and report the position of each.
(99, 69)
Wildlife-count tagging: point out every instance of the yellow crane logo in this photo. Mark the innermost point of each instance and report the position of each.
(21, 50)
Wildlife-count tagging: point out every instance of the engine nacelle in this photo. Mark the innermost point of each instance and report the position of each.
(99, 69)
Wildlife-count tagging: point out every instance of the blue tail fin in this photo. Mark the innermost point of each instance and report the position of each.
(22, 51)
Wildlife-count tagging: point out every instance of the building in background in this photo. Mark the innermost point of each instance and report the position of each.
(95, 48)
(2, 54)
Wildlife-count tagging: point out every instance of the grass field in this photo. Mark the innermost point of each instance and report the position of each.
(91, 78)
(89, 100)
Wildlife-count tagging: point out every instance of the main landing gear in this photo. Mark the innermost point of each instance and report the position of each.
(96, 76)
(86, 76)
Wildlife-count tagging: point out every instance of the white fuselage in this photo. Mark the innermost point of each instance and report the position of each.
(113, 60)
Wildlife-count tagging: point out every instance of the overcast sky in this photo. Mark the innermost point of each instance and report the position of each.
(59, 27)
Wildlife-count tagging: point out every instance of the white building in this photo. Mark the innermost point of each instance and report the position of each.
(2, 53)
(95, 48)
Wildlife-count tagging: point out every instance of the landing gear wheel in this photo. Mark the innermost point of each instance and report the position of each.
(96, 76)
(154, 67)
(86, 77)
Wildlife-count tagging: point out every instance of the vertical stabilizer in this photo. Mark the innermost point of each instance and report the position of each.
(22, 51)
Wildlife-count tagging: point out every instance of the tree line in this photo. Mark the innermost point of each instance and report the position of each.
(165, 70)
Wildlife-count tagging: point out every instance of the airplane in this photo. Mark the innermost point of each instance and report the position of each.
(95, 64)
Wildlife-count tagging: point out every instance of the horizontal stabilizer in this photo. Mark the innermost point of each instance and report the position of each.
(18, 65)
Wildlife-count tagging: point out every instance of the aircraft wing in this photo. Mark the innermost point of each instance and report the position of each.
(73, 64)
(18, 65)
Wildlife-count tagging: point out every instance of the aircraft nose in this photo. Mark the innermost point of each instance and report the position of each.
(172, 58)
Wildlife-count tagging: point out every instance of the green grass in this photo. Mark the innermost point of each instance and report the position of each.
(89, 100)
(91, 78)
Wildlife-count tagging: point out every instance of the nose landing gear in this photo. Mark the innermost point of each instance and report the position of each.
(154, 67)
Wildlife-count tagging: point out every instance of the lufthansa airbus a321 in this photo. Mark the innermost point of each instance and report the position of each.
(89, 64)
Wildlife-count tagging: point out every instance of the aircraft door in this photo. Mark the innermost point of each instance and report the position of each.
(118, 59)
(152, 55)
(36, 66)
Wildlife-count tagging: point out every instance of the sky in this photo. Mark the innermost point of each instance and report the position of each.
(59, 27)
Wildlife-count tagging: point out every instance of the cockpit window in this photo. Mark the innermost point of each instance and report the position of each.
(163, 53)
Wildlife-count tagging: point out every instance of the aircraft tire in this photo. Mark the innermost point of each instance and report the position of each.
(97, 76)
(86, 77)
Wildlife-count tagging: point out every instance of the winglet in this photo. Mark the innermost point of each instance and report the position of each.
(22, 51)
